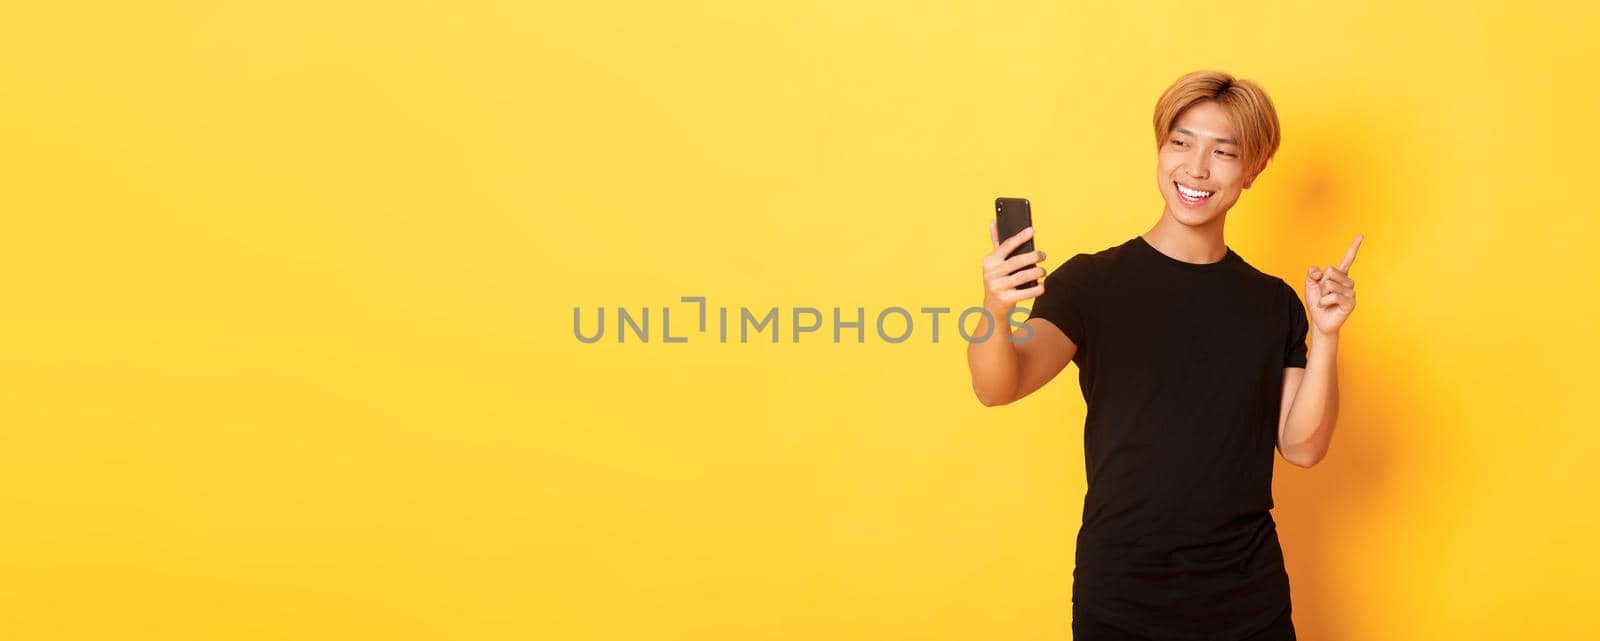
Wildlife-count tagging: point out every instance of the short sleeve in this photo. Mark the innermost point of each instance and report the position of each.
(1294, 352)
(1062, 302)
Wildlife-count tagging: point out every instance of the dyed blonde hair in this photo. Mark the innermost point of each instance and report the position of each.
(1254, 119)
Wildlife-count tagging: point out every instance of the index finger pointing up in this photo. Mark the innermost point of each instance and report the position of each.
(1350, 254)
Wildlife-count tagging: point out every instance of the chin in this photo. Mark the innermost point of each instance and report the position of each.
(1191, 216)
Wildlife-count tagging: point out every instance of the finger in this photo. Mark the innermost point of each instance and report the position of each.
(1313, 283)
(1338, 277)
(1019, 261)
(1019, 294)
(1325, 289)
(1019, 278)
(1015, 241)
(1333, 282)
(1337, 298)
(995, 267)
(994, 234)
(999, 278)
(1350, 254)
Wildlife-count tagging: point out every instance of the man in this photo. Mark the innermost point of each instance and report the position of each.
(1193, 365)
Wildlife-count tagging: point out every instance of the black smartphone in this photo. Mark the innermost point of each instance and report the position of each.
(1013, 215)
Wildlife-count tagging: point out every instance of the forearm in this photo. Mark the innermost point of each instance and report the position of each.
(994, 361)
(1308, 429)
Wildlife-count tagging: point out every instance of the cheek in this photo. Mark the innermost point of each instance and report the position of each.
(1234, 179)
(1165, 165)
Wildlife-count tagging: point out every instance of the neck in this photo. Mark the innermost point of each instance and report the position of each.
(1188, 243)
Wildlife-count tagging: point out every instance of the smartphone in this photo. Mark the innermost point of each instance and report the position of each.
(1013, 215)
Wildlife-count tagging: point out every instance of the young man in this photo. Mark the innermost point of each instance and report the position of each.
(1193, 365)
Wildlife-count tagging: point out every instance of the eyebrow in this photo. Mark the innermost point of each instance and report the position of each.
(1225, 141)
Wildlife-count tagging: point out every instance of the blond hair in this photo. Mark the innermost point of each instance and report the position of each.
(1249, 109)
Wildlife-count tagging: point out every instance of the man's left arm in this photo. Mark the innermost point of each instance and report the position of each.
(1311, 394)
(1310, 404)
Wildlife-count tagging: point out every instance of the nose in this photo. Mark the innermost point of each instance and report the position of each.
(1198, 166)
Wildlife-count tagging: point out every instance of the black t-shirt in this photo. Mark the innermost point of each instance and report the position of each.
(1181, 365)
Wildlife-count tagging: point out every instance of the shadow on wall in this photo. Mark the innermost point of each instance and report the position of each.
(1319, 509)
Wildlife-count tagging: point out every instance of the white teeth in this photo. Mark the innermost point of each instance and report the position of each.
(1192, 193)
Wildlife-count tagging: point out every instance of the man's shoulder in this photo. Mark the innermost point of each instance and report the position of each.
(1265, 280)
(1092, 264)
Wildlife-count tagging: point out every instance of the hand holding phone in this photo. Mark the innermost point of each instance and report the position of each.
(1010, 271)
(1012, 215)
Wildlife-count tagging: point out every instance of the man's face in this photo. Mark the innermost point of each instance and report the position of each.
(1202, 155)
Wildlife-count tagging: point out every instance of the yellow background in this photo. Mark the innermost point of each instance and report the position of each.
(287, 346)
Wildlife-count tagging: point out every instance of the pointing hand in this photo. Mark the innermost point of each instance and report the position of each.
(1331, 293)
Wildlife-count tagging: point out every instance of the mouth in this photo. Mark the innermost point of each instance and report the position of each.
(1192, 196)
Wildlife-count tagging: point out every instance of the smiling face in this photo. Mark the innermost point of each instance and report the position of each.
(1200, 167)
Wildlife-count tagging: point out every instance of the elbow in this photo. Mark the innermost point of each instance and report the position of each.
(989, 398)
(1301, 463)
(1302, 459)
(991, 401)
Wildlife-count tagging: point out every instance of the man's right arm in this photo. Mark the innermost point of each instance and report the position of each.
(1004, 371)
(1008, 365)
